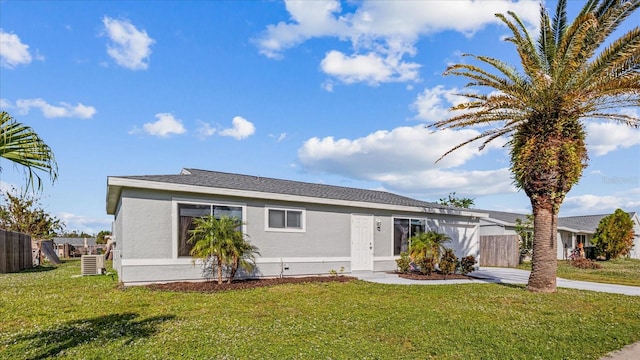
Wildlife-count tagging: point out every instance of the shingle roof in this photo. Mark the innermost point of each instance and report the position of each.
(196, 177)
(507, 217)
(585, 223)
(74, 241)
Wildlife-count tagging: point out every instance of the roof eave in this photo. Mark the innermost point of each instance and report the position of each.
(116, 184)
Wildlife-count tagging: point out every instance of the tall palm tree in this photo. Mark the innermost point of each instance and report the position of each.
(20, 144)
(573, 72)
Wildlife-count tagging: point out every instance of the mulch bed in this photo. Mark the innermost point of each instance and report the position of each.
(213, 286)
(434, 276)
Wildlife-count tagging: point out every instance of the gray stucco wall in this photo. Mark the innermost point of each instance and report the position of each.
(145, 227)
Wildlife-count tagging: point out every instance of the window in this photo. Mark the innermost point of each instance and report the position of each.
(285, 219)
(403, 230)
(186, 214)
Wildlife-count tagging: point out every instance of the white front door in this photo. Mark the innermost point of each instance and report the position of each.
(361, 242)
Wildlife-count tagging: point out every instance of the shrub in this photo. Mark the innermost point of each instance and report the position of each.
(427, 265)
(467, 264)
(448, 262)
(585, 264)
(404, 263)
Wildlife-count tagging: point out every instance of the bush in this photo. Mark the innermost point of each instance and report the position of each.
(585, 264)
(404, 263)
(448, 262)
(427, 265)
(467, 264)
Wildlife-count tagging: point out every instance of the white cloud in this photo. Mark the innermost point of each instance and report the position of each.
(370, 68)
(433, 104)
(603, 138)
(165, 126)
(404, 159)
(53, 111)
(87, 224)
(278, 138)
(597, 204)
(129, 46)
(12, 51)
(241, 129)
(382, 33)
(205, 130)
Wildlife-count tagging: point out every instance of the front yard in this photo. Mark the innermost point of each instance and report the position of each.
(50, 313)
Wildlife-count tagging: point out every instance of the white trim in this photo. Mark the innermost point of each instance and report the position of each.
(115, 185)
(272, 260)
(175, 201)
(303, 219)
(160, 262)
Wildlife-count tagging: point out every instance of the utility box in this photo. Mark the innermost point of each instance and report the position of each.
(92, 264)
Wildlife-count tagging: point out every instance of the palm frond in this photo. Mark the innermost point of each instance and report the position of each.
(21, 145)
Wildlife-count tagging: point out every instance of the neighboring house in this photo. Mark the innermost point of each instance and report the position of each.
(299, 228)
(72, 246)
(572, 230)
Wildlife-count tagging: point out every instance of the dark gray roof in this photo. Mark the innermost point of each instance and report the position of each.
(74, 241)
(506, 217)
(587, 223)
(223, 180)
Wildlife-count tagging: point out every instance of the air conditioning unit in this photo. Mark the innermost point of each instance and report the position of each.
(92, 264)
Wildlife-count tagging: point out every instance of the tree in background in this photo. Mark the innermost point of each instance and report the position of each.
(23, 213)
(524, 229)
(571, 72)
(452, 200)
(21, 145)
(614, 235)
(100, 238)
(75, 234)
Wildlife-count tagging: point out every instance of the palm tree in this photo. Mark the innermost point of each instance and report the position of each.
(420, 246)
(573, 72)
(428, 244)
(437, 243)
(20, 144)
(219, 242)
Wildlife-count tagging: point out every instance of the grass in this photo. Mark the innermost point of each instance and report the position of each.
(54, 314)
(618, 271)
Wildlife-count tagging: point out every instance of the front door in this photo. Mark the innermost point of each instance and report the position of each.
(361, 242)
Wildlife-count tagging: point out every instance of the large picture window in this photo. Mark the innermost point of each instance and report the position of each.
(186, 214)
(285, 219)
(403, 230)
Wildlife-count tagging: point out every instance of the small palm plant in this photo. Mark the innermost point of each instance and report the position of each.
(420, 246)
(218, 242)
(438, 240)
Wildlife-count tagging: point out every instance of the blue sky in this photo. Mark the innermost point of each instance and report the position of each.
(323, 91)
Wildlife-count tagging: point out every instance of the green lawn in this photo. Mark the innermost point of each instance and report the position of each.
(619, 271)
(52, 313)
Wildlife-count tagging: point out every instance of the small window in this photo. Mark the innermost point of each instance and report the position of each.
(285, 220)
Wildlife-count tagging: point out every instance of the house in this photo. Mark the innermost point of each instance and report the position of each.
(299, 228)
(75, 246)
(572, 230)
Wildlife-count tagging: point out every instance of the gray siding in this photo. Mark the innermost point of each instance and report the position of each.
(145, 228)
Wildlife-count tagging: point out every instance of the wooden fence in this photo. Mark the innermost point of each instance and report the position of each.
(15, 251)
(500, 250)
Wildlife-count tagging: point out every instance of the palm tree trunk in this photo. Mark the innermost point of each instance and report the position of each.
(544, 263)
(219, 260)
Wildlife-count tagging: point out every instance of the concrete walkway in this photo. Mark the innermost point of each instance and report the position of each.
(516, 276)
(500, 276)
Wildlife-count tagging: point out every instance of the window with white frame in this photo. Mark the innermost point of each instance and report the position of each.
(280, 219)
(188, 212)
(403, 230)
